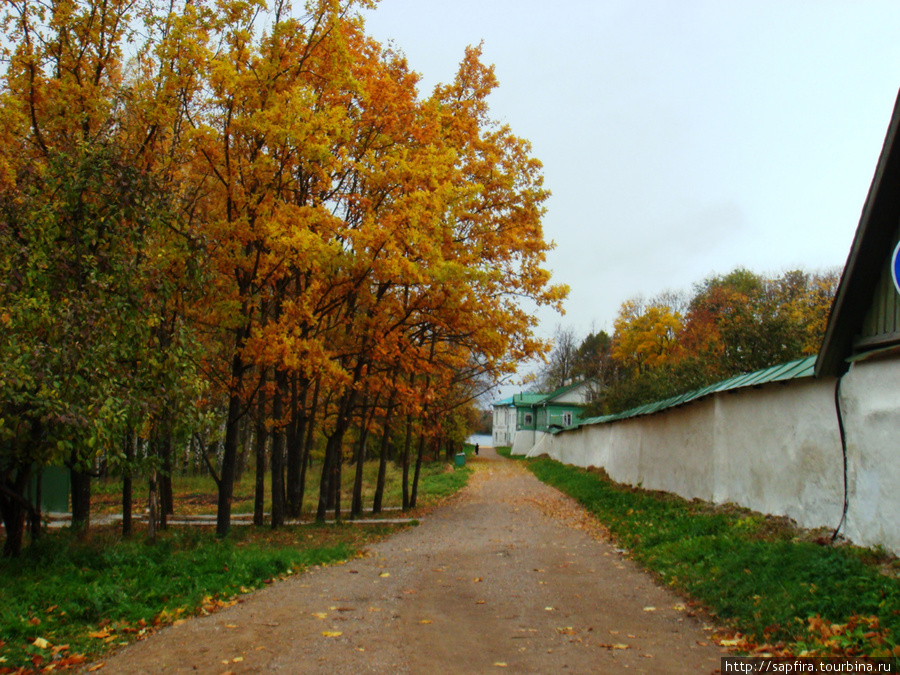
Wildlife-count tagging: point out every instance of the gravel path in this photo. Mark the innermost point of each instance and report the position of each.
(508, 576)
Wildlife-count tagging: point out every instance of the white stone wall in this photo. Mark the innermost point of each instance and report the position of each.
(870, 400)
(775, 449)
(525, 440)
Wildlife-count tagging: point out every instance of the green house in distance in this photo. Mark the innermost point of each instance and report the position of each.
(520, 420)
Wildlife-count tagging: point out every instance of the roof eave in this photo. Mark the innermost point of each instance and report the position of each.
(877, 224)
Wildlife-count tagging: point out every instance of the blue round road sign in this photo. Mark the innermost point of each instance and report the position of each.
(895, 267)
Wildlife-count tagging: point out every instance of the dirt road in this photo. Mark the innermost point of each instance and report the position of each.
(509, 576)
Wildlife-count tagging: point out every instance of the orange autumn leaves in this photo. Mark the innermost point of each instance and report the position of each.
(316, 222)
(730, 324)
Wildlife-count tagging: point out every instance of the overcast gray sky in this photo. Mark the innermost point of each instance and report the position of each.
(679, 138)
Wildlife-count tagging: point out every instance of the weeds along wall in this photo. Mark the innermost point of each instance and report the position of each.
(774, 449)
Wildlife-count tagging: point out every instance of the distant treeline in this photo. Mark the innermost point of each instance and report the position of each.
(729, 324)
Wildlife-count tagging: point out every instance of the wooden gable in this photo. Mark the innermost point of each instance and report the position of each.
(865, 314)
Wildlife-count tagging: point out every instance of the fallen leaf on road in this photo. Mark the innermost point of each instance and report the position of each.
(94, 669)
(649, 609)
(74, 660)
(500, 664)
(548, 609)
(479, 602)
(332, 633)
(237, 659)
(425, 621)
(320, 615)
(385, 574)
(616, 646)
(565, 630)
(477, 579)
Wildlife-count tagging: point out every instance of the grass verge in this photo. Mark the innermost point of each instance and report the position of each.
(196, 495)
(67, 601)
(783, 591)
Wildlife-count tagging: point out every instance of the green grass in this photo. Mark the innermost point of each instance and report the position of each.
(756, 574)
(197, 494)
(62, 590)
(95, 594)
(437, 485)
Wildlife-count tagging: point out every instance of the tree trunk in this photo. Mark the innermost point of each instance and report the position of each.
(166, 497)
(81, 499)
(232, 429)
(34, 516)
(309, 420)
(278, 500)
(407, 444)
(415, 484)
(331, 471)
(383, 454)
(259, 493)
(226, 477)
(325, 484)
(153, 508)
(356, 506)
(127, 488)
(336, 481)
(13, 508)
(450, 450)
(244, 443)
(295, 434)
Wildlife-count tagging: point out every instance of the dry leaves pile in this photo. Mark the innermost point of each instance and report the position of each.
(567, 511)
(860, 636)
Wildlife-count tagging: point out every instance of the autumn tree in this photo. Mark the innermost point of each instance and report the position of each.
(562, 363)
(252, 211)
(732, 324)
(743, 321)
(646, 334)
(79, 208)
(593, 359)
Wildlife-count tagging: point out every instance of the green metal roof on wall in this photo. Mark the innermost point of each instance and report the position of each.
(793, 370)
